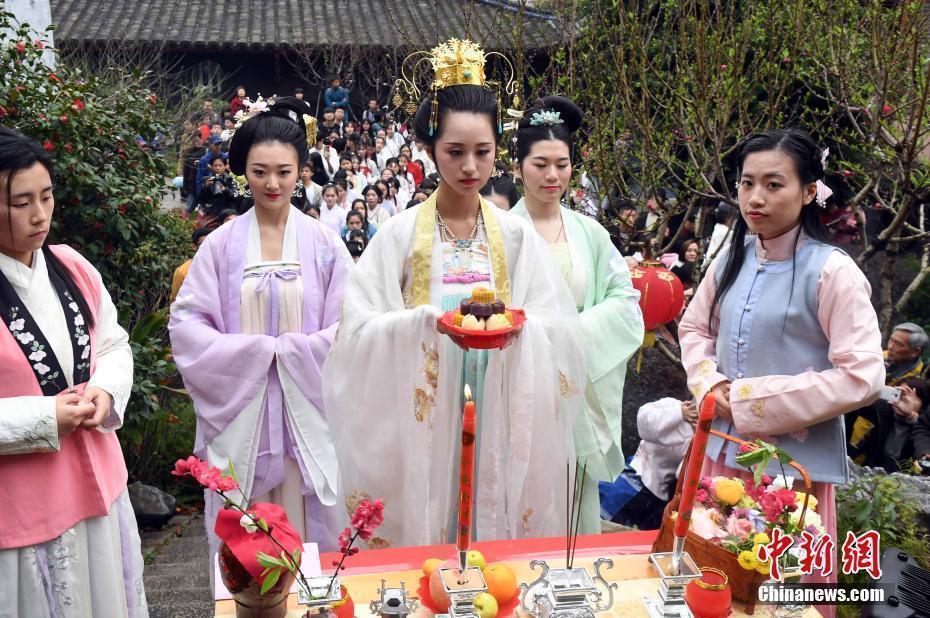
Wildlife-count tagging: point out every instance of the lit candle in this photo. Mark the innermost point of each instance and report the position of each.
(466, 479)
(692, 477)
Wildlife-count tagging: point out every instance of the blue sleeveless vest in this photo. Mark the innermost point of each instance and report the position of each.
(763, 333)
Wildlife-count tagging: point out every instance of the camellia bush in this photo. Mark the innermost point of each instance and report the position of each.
(108, 190)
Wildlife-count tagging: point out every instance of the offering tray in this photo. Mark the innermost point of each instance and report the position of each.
(482, 339)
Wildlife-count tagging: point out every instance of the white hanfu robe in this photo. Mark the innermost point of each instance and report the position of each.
(397, 431)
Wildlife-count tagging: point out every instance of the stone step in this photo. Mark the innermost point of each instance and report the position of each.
(183, 550)
(196, 577)
(169, 568)
(178, 596)
(182, 609)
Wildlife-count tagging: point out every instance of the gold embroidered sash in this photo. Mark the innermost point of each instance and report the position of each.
(423, 235)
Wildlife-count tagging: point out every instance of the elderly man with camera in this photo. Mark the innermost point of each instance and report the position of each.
(883, 434)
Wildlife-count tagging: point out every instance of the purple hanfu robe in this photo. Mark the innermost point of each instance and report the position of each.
(259, 397)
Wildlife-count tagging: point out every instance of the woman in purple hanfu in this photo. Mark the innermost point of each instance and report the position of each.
(252, 326)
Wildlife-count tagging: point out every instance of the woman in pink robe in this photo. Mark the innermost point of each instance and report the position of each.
(781, 331)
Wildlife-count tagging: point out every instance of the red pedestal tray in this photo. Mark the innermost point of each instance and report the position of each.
(483, 339)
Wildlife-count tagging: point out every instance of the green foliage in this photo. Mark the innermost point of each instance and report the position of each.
(108, 188)
(108, 193)
(883, 505)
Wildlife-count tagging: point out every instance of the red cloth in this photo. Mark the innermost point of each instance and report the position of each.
(245, 545)
(235, 105)
(204, 132)
(415, 169)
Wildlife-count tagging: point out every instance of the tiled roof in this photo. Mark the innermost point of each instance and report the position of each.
(277, 24)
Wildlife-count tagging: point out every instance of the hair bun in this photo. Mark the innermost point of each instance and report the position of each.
(291, 108)
(569, 112)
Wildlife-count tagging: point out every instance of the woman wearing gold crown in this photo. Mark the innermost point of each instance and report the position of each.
(399, 439)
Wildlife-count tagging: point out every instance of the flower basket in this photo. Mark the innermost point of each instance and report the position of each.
(744, 584)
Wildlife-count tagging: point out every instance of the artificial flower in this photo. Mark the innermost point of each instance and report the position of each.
(701, 496)
(799, 498)
(761, 539)
(783, 482)
(729, 491)
(705, 522)
(747, 560)
(248, 523)
(763, 567)
(811, 518)
(739, 527)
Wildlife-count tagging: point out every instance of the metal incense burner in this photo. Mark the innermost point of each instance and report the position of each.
(323, 597)
(567, 593)
(462, 588)
(671, 600)
(394, 602)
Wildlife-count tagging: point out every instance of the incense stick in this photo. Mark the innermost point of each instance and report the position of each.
(568, 510)
(584, 471)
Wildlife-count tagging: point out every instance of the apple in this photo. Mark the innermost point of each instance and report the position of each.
(476, 559)
(486, 605)
(436, 590)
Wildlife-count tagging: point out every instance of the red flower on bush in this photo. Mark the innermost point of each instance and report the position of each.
(21, 47)
(48, 145)
(63, 118)
(54, 78)
(152, 99)
(77, 105)
(39, 44)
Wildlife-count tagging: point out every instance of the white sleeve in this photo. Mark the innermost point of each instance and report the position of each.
(113, 372)
(28, 425)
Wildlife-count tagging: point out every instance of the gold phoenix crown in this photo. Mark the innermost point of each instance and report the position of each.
(455, 62)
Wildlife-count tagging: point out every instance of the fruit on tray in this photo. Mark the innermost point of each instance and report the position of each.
(486, 605)
(501, 581)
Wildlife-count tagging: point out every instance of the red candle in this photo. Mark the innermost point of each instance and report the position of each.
(466, 473)
(693, 472)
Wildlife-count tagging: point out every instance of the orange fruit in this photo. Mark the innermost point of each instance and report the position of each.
(431, 565)
(501, 581)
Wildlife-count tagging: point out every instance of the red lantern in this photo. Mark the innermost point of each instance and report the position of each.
(661, 295)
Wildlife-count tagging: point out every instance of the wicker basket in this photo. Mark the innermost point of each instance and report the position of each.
(743, 584)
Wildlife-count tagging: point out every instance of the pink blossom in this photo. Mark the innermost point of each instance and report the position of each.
(345, 537)
(182, 467)
(701, 496)
(705, 482)
(368, 516)
(227, 483)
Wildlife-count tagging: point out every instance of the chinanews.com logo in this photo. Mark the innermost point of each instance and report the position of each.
(817, 556)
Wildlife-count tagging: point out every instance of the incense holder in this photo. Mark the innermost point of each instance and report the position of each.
(567, 593)
(394, 602)
(324, 597)
(462, 588)
(671, 600)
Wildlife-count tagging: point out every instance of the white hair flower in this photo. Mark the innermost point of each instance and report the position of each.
(547, 117)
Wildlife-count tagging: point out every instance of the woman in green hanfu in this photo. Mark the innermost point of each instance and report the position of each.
(600, 284)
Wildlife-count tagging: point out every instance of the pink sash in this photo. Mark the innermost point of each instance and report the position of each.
(45, 494)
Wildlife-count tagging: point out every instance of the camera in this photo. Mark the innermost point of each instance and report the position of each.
(218, 185)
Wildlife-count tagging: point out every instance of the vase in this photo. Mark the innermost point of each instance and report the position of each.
(346, 607)
(710, 596)
(246, 590)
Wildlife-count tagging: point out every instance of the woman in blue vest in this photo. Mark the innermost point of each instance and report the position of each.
(781, 331)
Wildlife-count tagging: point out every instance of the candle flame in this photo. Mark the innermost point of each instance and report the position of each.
(467, 393)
